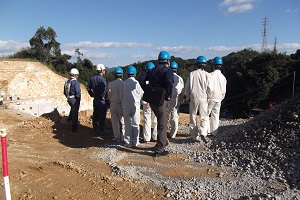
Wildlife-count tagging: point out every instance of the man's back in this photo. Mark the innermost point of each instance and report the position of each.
(98, 85)
(132, 92)
(115, 91)
(217, 86)
(197, 83)
(163, 77)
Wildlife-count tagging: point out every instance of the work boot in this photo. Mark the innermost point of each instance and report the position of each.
(163, 153)
(96, 128)
(102, 130)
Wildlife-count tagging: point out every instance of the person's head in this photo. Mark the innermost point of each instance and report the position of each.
(74, 72)
(217, 61)
(149, 66)
(164, 58)
(100, 68)
(131, 71)
(174, 66)
(201, 62)
(118, 72)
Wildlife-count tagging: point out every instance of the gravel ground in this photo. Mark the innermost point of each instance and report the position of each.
(262, 153)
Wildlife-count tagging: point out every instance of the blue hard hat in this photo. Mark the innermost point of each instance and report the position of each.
(174, 65)
(217, 61)
(150, 65)
(131, 70)
(164, 55)
(118, 70)
(201, 59)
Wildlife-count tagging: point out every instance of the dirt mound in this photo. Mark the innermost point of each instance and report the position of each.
(34, 84)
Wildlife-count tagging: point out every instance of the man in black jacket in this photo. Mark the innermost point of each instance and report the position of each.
(161, 76)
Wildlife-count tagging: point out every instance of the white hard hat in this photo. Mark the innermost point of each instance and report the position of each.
(74, 71)
(100, 67)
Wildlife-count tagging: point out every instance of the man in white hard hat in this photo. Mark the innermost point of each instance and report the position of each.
(72, 92)
(97, 89)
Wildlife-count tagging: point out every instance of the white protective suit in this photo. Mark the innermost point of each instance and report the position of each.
(196, 95)
(149, 118)
(115, 96)
(216, 93)
(174, 103)
(132, 95)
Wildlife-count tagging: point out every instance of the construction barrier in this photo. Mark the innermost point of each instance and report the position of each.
(5, 164)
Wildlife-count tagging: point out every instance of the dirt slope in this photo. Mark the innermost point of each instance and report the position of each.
(34, 83)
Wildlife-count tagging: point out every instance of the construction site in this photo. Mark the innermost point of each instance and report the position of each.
(255, 158)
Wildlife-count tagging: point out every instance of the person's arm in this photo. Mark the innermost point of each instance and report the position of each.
(142, 80)
(104, 94)
(89, 89)
(65, 92)
(77, 90)
(109, 91)
(169, 81)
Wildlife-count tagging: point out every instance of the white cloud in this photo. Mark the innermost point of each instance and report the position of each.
(289, 48)
(91, 55)
(240, 8)
(11, 46)
(292, 10)
(227, 3)
(179, 49)
(89, 44)
(237, 6)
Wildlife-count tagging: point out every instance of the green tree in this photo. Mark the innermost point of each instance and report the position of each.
(23, 53)
(44, 47)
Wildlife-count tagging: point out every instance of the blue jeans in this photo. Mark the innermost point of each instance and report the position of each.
(99, 114)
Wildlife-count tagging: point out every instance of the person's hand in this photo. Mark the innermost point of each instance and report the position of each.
(148, 105)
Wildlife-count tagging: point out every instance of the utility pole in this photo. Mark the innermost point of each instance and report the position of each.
(293, 93)
(275, 45)
(264, 46)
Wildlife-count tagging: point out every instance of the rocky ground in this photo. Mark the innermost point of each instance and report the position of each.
(250, 159)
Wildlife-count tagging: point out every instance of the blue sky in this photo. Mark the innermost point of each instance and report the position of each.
(120, 32)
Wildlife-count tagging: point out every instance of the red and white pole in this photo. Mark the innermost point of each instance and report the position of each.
(5, 164)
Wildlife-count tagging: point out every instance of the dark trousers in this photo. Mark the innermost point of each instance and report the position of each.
(74, 103)
(99, 114)
(161, 114)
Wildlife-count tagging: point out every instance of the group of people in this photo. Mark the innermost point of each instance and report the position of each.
(203, 90)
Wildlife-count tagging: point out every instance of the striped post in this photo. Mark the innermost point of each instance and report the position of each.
(5, 164)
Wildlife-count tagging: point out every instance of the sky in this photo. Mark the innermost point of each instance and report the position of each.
(123, 32)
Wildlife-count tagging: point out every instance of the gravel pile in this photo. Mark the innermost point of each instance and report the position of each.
(267, 146)
(262, 154)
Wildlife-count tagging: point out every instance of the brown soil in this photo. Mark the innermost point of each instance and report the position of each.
(47, 161)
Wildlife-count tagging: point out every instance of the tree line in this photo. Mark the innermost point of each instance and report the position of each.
(253, 79)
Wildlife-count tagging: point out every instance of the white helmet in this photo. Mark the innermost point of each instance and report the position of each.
(100, 67)
(74, 71)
